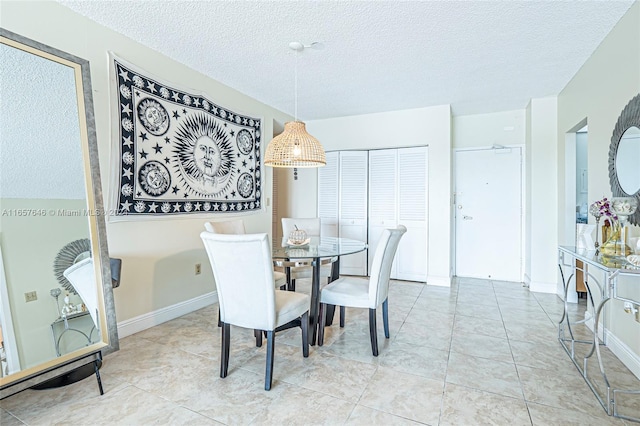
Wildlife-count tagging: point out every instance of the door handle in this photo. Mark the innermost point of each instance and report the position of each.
(465, 217)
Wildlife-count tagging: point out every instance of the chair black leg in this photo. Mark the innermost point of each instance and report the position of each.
(385, 317)
(258, 335)
(269, 373)
(373, 331)
(224, 359)
(322, 318)
(219, 321)
(292, 286)
(343, 313)
(331, 310)
(304, 324)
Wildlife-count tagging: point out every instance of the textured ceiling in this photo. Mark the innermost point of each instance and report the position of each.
(478, 56)
(40, 155)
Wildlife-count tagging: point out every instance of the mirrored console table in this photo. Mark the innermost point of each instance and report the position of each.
(602, 279)
(73, 324)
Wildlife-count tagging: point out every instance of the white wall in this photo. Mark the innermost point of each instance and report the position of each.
(158, 256)
(28, 266)
(485, 130)
(297, 198)
(542, 204)
(527, 196)
(423, 126)
(598, 92)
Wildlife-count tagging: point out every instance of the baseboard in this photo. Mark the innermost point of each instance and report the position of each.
(620, 349)
(439, 281)
(542, 287)
(527, 281)
(151, 319)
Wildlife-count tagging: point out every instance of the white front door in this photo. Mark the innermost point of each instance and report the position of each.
(488, 213)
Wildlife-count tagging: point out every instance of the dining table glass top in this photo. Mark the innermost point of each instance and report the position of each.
(318, 247)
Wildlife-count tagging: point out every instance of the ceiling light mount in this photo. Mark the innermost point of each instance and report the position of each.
(299, 47)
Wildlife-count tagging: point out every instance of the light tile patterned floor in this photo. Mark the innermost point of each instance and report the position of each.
(480, 352)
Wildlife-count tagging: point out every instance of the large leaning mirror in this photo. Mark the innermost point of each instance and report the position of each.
(56, 307)
(624, 155)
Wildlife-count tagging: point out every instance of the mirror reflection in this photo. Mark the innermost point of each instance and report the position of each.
(628, 161)
(43, 209)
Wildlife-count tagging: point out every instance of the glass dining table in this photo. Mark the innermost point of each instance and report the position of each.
(319, 251)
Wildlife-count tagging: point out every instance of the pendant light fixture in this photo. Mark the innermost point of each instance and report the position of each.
(294, 147)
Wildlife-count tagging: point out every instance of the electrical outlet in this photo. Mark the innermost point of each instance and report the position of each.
(198, 268)
(30, 296)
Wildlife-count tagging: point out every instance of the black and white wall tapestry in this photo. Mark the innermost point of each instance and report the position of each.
(179, 153)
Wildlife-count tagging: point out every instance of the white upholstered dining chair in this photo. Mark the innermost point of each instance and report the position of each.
(243, 270)
(312, 227)
(362, 293)
(236, 227)
(226, 227)
(82, 277)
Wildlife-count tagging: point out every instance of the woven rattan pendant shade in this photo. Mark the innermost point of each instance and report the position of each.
(295, 148)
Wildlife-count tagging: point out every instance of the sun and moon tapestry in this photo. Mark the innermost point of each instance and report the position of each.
(179, 153)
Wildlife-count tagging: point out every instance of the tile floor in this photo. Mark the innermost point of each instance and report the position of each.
(480, 352)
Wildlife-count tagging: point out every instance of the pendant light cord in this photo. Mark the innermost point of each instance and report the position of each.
(295, 108)
(295, 114)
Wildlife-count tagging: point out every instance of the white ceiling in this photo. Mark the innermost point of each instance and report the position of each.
(478, 56)
(39, 130)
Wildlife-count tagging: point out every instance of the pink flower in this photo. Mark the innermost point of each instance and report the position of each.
(603, 208)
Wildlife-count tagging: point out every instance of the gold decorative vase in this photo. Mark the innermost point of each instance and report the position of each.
(615, 246)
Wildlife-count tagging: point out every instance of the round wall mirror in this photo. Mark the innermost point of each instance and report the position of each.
(628, 160)
(624, 155)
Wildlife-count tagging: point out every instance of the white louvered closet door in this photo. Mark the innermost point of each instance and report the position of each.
(353, 208)
(383, 197)
(328, 195)
(411, 259)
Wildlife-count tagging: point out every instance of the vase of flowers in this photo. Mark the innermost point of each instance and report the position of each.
(600, 209)
(616, 246)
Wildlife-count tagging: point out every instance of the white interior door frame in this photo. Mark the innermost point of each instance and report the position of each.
(569, 235)
(567, 219)
(522, 200)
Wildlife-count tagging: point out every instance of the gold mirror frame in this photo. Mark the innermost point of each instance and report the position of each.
(629, 117)
(108, 343)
